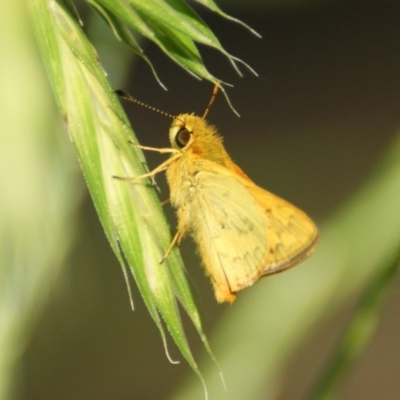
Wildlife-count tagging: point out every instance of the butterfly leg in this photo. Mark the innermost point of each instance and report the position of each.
(155, 171)
(176, 240)
(164, 202)
(158, 150)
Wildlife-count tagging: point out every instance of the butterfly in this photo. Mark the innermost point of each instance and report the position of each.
(242, 231)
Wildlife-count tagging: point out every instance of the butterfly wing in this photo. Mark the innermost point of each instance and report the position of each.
(243, 231)
(292, 235)
(230, 228)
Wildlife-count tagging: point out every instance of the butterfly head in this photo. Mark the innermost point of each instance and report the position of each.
(189, 132)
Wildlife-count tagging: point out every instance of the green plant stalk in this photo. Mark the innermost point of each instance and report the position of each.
(359, 332)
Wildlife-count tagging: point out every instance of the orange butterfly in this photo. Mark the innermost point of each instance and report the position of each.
(242, 231)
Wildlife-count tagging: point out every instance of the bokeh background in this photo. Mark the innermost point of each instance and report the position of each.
(314, 126)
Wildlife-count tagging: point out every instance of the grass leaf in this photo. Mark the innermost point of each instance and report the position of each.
(130, 213)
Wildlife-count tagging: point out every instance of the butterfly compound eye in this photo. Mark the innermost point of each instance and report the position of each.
(182, 137)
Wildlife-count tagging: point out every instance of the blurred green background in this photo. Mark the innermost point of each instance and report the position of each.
(315, 127)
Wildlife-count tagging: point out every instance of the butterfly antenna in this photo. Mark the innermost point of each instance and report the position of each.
(127, 96)
(213, 96)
